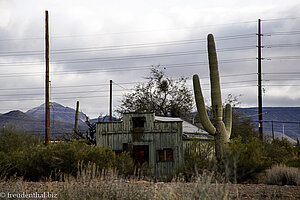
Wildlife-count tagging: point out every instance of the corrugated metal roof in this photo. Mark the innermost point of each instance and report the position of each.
(168, 119)
(189, 130)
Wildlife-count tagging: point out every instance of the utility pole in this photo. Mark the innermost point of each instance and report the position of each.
(76, 119)
(273, 136)
(47, 103)
(110, 101)
(260, 119)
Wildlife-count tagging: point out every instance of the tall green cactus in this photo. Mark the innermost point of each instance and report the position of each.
(219, 129)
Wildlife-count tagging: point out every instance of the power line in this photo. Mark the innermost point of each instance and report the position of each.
(96, 49)
(282, 45)
(127, 32)
(283, 33)
(54, 93)
(104, 84)
(283, 85)
(284, 79)
(284, 58)
(99, 91)
(98, 96)
(140, 56)
(115, 69)
(105, 48)
(279, 19)
(281, 73)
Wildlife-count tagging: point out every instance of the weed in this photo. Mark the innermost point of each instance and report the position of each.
(282, 175)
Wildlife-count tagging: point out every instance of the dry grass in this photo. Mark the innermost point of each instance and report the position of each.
(92, 183)
(283, 175)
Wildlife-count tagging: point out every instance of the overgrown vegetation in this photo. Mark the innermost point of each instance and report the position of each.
(283, 175)
(198, 157)
(22, 155)
(244, 161)
(92, 183)
(280, 151)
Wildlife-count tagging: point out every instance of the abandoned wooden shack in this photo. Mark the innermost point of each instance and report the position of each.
(159, 141)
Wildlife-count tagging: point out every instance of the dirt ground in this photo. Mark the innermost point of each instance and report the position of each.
(262, 191)
(234, 191)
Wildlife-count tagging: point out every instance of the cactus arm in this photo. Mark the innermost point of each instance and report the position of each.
(214, 79)
(228, 120)
(207, 125)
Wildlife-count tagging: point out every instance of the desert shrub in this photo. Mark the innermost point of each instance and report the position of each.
(198, 157)
(280, 151)
(206, 190)
(242, 126)
(124, 163)
(33, 161)
(295, 162)
(12, 139)
(282, 175)
(102, 156)
(246, 160)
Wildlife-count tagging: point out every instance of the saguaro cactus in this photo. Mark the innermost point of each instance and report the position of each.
(219, 129)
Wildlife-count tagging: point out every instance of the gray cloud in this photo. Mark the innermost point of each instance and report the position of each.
(91, 26)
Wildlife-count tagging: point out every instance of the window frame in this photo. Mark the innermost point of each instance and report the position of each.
(168, 155)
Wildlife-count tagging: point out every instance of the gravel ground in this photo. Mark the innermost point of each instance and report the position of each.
(173, 190)
(262, 191)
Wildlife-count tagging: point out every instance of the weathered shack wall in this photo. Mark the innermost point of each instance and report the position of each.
(161, 138)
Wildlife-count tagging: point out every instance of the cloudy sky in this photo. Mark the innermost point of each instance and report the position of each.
(94, 41)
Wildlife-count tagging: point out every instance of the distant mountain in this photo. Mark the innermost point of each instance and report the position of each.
(58, 112)
(102, 119)
(20, 120)
(286, 120)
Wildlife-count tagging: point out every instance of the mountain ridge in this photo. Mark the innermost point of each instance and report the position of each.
(63, 118)
(284, 120)
(58, 112)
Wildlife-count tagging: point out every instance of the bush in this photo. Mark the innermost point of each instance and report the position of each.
(198, 157)
(293, 163)
(246, 160)
(12, 139)
(125, 164)
(283, 175)
(21, 155)
(280, 151)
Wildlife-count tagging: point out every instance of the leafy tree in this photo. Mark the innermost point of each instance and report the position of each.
(12, 139)
(248, 159)
(241, 125)
(280, 151)
(161, 95)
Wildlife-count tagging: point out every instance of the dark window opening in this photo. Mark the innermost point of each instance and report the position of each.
(128, 147)
(140, 154)
(165, 155)
(138, 128)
